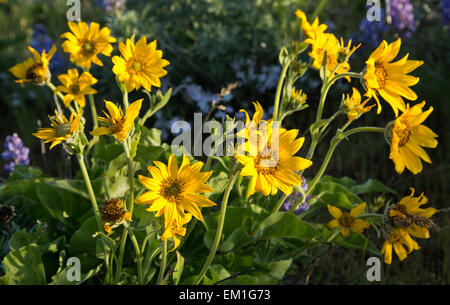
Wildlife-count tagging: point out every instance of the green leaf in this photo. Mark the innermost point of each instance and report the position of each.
(286, 225)
(82, 240)
(61, 277)
(24, 267)
(330, 192)
(357, 241)
(134, 145)
(372, 186)
(176, 275)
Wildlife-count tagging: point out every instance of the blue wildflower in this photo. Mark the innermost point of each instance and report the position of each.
(402, 16)
(41, 41)
(15, 153)
(287, 205)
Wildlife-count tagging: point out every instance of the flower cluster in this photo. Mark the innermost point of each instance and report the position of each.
(402, 15)
(15, 153)
(407, 219)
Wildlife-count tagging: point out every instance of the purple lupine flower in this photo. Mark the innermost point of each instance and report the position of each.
(402, 15)
(15, 153)
(41, 41)
(287, 205)
(370, 33)
(110, 6)
(446, 11)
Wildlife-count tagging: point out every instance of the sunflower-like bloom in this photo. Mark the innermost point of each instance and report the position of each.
(270, 167)
(409, 215)
(407, 138)
(140, 64)
(321, 42)
(174, 191)
(85, 42)
(310, 29)
(354, 107)
(176, 230)
(61, 129)
(347, 221)
(34, 69)
(113, 213)
(116, 123)
(396, 239)
(76, 87)
(390, 79)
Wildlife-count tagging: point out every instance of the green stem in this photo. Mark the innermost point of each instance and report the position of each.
(334, 142)
(216, 242)
(90, 191)
(93, 110)
(123, 240)
(279, 204)
(278, 92)
(138, 254)
(130, 176)
(125, 99)
(162, 268)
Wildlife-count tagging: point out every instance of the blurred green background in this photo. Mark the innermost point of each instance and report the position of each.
(211, 43)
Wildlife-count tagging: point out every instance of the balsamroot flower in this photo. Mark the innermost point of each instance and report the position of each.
(175, 230)
(76, 87)
(35, 69)
(61, 129)
(116, 123)
(354, 107)
(347, 221)
(337, 53)
(408, 215)
(113, 212)
(85, 42)
(396, 239)
(140, 64)
(270, 167)
(174, 191)
(390, 79)
(407, 137)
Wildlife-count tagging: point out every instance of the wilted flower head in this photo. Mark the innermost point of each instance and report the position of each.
(15, 153)
(113, 212)
(42, 41)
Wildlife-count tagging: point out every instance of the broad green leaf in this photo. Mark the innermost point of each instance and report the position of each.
(82, 240)
(286, 225)
(372, 186)
(357, 241)
(178, 271)
(61, 277)
(24, 267)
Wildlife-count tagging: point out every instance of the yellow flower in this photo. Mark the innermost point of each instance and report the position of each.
(85, 42)
(408, 215)
(76, 87)
(311, 30)
(34, 69)
(113, 212)
(298, 96)
(173, 191)
(396, 239)
(271, 168)
(140, 64)
(118, 124)
(61, 129)
(176, 230)
(407, 137)
(389, 79)
(321, 42)
(348, 220)
(354, 107)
